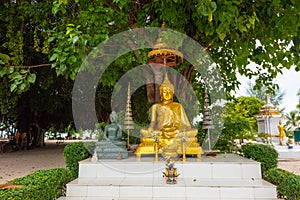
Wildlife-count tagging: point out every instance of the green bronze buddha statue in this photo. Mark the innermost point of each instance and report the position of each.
(111, 147)
(113, 131)
(169, 127)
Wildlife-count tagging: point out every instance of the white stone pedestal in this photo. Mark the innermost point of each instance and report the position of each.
(222, 177)
(284, 153)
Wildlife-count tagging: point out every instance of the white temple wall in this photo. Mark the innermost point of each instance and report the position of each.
(268, 125)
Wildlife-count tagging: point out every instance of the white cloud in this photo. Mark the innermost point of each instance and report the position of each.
(288, 81)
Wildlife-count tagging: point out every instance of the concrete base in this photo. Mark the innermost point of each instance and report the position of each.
(222, 177)
(109, 150)
(287, 154)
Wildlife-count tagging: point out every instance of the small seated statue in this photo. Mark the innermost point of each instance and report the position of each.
(111, 147)
(113, 131)
(170, 126)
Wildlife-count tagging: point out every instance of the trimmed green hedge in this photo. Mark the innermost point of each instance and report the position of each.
(288, 184)
(75, 152)
(264, 154)
(42, 184)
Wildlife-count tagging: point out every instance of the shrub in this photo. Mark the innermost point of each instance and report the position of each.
(288, 184)
(264, 154)
(42, 184)
(264, 137)
(75, 152)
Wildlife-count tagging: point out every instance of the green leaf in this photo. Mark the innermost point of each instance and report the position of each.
(51, 39)
(9, 70)
(53, 57)
(5, 58)
(242, 28)
(73, 59)
(69, 30)
(13, 87)
(22, 86)
(63, 59)
(23, 71)
(252, 20)
(2, 72)
(213, 6)
(55, 7)
(31, 78)
(16, 76)
(220, 32)
(73, 76)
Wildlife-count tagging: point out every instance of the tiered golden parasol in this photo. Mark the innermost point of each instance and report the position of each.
(163, 54)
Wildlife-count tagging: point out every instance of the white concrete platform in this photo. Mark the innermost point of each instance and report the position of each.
(285, 153)
(222, 177)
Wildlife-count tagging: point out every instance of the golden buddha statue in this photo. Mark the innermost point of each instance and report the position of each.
(281, 130)
(170, 131)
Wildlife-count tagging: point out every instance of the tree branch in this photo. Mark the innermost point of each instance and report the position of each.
(31, 66)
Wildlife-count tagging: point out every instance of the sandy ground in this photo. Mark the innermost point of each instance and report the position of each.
(20, 163)
(290, 165)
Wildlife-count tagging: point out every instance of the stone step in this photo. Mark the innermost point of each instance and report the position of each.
(156, 188)
(220, 167)
(225, 176)
(150, 198)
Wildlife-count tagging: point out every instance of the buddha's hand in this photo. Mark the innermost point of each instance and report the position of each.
(159, 133)
(150, 129)
(170, 135)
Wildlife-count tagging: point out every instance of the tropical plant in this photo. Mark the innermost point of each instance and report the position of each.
(292, 120)
(240, 122)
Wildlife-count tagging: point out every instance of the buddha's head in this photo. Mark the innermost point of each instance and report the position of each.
(113, 117)
(166, 90)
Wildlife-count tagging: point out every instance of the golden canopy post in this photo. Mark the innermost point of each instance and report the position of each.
(128, 121)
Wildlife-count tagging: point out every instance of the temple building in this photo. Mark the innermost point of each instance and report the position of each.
(268, 118)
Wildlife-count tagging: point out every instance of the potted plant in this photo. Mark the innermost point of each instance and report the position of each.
(290, 143)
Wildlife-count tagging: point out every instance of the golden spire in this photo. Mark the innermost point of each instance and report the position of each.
(167, 83)
(269, 108)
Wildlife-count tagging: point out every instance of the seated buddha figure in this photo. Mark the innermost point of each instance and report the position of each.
(169, 123)
(111, 146)
(113, 131)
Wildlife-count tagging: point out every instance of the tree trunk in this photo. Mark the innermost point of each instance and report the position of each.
(154, 78)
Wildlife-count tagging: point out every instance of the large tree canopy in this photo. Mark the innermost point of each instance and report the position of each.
(234, 33)
(60, 34)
